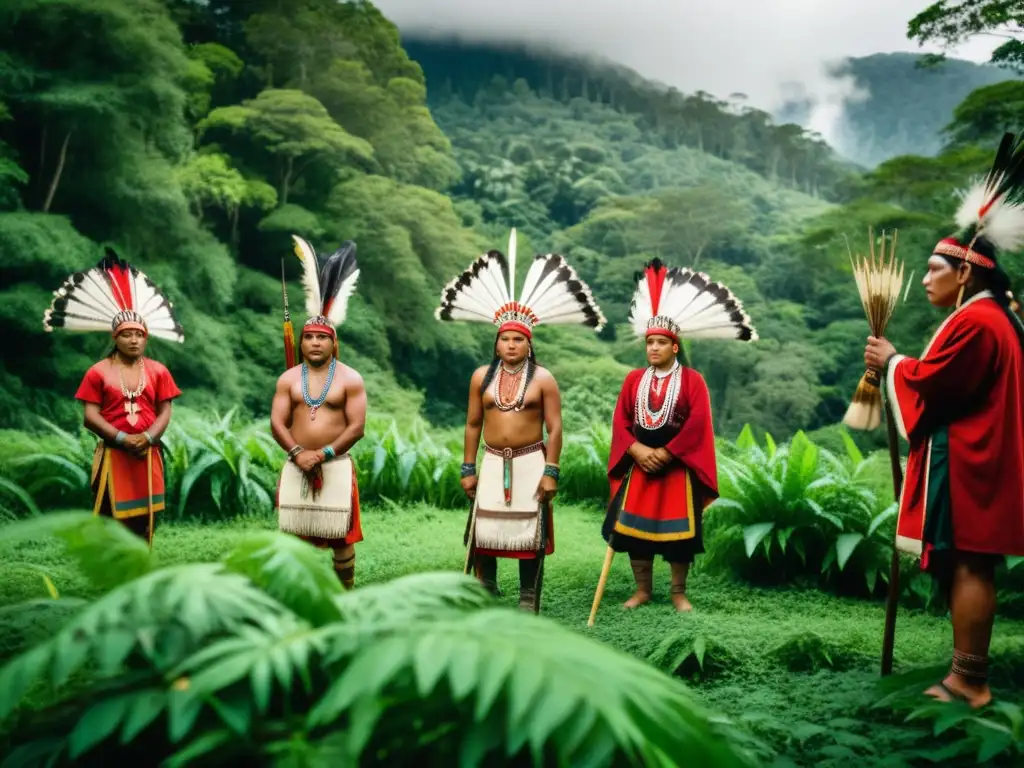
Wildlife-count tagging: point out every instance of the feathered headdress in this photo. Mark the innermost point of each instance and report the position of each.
(552, 294)
(328, 288)
(678, 302)
(113, 296)
(991, 216)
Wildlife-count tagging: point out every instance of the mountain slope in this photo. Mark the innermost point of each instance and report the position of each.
(905, 108)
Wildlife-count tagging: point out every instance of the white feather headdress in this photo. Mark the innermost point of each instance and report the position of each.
(327, 288)
(553, 294)
(110, 296)
(679, 302)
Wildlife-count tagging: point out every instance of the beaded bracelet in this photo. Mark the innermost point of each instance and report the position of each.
(149, 437)
(120, 437)
(468, 469)
(328, 451)
(295, 451)
(551, 470)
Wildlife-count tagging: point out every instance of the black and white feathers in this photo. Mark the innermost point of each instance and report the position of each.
(328, 288)
(693, 305)
(89, 300)
(993, 207)
(552, 294)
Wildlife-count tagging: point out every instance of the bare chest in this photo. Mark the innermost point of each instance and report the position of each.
(319, 391)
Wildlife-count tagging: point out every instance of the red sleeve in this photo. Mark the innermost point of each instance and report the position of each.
(622, 427)
(166, 389)
(694, 446)
(952, 372)
(91, 388)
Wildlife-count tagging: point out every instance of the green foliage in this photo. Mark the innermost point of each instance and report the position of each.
(951, 23)
(260, 655)
(796, 513)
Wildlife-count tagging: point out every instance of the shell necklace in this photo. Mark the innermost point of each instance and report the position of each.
(498, 390)
(646, 417)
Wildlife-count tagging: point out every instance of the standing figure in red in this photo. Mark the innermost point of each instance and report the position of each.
(662, 470)
(127, 396)
(959, 407)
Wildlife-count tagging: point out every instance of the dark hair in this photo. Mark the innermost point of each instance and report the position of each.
(493, 367)
(995, 280)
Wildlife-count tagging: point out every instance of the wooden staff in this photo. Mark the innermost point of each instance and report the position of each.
(879, 281)
(892, 599)
(289, 331)
(600, 584)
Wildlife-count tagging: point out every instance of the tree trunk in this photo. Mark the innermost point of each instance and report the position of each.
(55, 181)
(286, 180)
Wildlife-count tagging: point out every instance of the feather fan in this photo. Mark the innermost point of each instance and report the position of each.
(89, 300)
(552, 293)
(699, 307)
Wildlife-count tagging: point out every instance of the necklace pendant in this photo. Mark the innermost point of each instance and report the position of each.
(312, 413)
(132, 410)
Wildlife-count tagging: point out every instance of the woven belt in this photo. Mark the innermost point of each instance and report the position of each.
(508, 454)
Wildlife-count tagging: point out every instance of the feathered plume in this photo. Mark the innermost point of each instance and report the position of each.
(552, 293)
(993, 207)
(879, 281)
(328, 289)
(694, 305)
(89, 300)
(557, 296)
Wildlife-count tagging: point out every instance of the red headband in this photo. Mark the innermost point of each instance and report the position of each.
(950, 246)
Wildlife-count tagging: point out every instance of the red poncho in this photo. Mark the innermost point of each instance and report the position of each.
(658, 507)
(969, 381)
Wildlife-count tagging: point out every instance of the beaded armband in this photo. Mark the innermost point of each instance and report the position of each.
(328, 451)
(551, 470)
(468, 469)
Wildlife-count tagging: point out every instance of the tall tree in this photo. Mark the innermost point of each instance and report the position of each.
(951, 22)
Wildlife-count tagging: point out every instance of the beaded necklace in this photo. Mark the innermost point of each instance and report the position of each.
(517, 403)
(131, 407)
(315, 404)
(647, 418)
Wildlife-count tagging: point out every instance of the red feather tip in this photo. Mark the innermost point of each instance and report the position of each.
(120, 285)
(655, 273)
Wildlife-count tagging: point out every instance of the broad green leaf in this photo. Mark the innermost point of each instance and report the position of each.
(846, 544)
(754, 534)
(98, 722)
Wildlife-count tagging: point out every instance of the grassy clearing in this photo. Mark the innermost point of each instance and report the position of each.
(798, 667)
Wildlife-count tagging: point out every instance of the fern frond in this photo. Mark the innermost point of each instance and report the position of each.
(533, 680)
(412, 596)
(289, 570)
(197, 599)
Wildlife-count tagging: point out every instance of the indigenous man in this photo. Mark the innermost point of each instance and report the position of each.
(127, 396)
(959, 407)
(511, 400)
(318, 414)
(661, 469)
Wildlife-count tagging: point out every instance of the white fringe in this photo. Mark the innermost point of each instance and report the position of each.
(328, 516)
(513, 528)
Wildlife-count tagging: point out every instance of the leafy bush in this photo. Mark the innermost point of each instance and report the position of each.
(799, 513)
(262, 656)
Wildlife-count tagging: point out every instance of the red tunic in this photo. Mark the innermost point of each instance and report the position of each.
(968, 381)
(661, 507)
(102, 385)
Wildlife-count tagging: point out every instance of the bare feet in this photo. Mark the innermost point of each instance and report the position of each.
(681, 603)
(955, 688)
(639, 598)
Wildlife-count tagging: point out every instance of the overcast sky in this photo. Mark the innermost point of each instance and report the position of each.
(720, 46)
